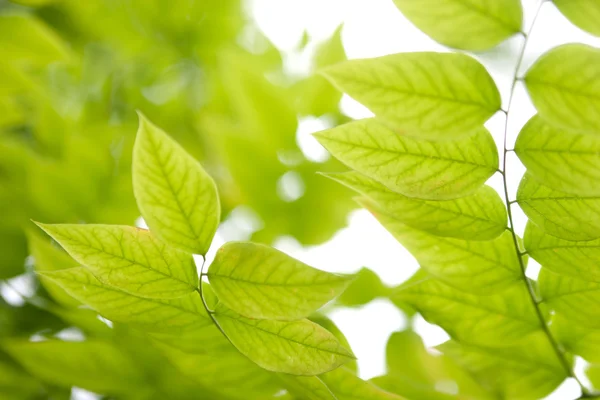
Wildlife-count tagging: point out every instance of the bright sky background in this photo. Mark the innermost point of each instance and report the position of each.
(374, 28)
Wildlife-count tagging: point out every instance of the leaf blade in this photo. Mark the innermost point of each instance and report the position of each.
(585, 14)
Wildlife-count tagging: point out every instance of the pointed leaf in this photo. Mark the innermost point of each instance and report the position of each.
(576, 259)
(583, 13)
(306, 387)
(185, 314)
(413, 167)
(131, 259)
(294, 347)
(177, 198)
(481, 267)
(528, 371)
(564, 87)
(366, 287)
(434, 95)
(574, 299)
(258, 281)
(560, 214)
(92, 365)
(493, 320)
(480, 216)
(347, 386)
(562, 160)
(468, 25)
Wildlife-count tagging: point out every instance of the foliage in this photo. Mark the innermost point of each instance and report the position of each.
(252, 324)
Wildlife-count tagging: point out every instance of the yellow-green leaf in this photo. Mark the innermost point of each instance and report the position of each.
(480, 216)
(565, 89)
(465, 24)
(433, 95)
(177, 316)
(563, 160)
(131, 259)
(577, 259)
(258, 281)
(414, 167)
(583, 13)
(176, 197)
(298, 347)
(347, 386)
(306, 387)
(560, 214)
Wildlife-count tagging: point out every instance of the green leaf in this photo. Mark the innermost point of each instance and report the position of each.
(480, 267)
(468, 25)
(583, 13)
(92, 365)
(413, 372)
(577, 339)
(429, 95)
(366, 287)
(258, 281)
(131, 259)
(414, 167)
(575, 299)
(527, 371)
(492, 320)
(564, 88)
(560, 159)
(294, 347)
(181, 315)
(176, 197)
(347, 386)
(560, 214)
(577, 259)
(306, 387)
(480, 216)
(329, 325)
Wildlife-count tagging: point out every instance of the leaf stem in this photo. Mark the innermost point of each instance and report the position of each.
(531, 290)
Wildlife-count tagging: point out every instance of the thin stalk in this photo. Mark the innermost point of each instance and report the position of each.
(532, 295)
(205, 304)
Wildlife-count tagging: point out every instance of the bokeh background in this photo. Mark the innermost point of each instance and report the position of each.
(234, 82)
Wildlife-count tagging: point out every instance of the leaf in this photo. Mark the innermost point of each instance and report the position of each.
(347, 386)
(258, 281)
(178, 316)
(560, 214)
(176, 197)
(128, 258)
(583, 13)
(481, 267)
(575, 299)
(429, 95)
(577, 339)
(329, 325)
(294, 347)
(413, 167)
(306, 387)
(480, 216)
(366, 287)
(92, 365)
(576, 259)
(528, 371)
(564, 88)
(468, 25)
(492, 320)
(560, 159)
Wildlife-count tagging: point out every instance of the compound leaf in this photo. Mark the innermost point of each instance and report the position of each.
(473, 266)
(429, 95)
(414, 167)
(585, 14)
(181, 315)
(129, 258)
(480, 216)
(564, 87)
(468, 25)
(560, 214)
(298, 347)
(258, 281)
(562, 160)
(577, 259)
(176, 197)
